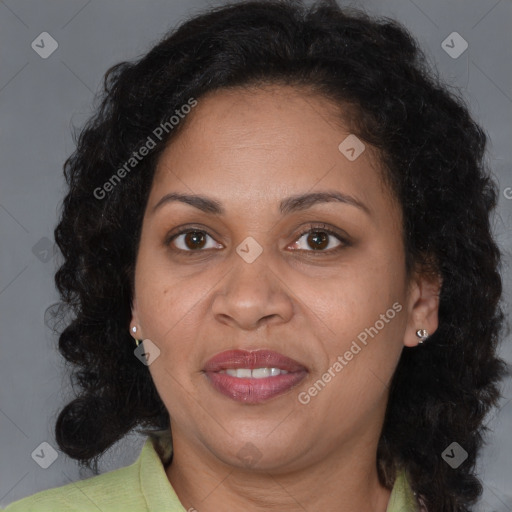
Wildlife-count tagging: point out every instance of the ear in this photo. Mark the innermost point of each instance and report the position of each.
(423, 306)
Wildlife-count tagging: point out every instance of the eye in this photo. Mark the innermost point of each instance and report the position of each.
(318, 238)
(191, 240)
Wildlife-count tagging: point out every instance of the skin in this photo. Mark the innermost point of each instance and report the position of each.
(249, 149)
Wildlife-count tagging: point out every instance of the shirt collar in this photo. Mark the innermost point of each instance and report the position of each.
(155, 485)
(402, 497)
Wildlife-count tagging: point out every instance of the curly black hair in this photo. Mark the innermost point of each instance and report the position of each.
(432, 153)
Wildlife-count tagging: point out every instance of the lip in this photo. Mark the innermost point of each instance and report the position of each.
(250, 390)
(251, 359)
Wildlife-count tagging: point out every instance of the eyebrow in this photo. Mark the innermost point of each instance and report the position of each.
(290, 204)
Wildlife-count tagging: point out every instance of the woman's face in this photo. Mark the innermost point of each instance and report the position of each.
(253, 275)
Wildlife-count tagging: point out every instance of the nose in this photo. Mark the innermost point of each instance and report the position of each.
(252, 294)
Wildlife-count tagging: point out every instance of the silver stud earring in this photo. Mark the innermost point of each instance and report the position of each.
(422, 335)
(134, 330)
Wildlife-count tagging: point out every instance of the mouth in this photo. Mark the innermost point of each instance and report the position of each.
(253, 377)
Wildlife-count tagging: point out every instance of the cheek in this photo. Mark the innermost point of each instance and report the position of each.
(163, 297)
(356, 296)
(172, 312)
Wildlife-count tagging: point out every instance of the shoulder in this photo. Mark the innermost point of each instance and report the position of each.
(117, 490)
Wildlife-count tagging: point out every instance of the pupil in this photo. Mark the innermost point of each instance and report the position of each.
(316, 235)
(195, 238)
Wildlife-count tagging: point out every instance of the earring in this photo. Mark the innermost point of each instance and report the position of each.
(134, 329)
(422, 335)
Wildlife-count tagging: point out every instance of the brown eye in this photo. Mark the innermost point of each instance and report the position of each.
(192, 240)
(320, 239)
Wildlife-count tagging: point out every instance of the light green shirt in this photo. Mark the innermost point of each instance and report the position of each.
(144, 486)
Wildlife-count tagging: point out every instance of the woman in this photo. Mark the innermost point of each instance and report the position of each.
(293, 215)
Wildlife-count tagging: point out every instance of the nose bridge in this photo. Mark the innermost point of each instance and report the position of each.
(251, 270)
(251, 290)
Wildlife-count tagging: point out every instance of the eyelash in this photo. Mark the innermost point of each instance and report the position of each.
(319, 228)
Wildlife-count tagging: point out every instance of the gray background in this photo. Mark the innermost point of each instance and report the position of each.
(40, 99)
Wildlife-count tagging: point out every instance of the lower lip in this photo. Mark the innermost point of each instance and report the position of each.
(254, 391)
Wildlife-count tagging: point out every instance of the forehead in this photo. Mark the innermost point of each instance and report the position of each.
(265, 118)
(266, 142)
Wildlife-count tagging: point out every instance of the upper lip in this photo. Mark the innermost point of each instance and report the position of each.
(251, 359)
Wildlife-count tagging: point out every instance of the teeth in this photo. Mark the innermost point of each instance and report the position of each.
(257, 373)
(260, 373)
